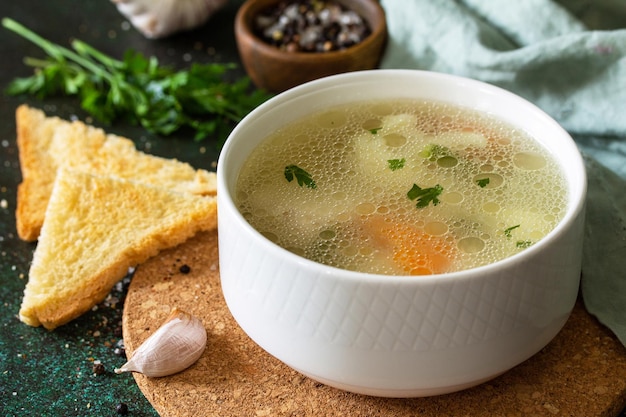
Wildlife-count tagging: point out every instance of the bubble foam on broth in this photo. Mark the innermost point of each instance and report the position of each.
(500, 191)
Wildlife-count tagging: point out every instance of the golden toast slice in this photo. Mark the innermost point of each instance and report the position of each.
(96, 228)
(49, 143)
(34, 137)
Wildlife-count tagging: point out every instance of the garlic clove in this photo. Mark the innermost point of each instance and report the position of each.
(160, 18)
(175, 346)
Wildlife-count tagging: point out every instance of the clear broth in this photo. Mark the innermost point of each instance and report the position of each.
(485, 189)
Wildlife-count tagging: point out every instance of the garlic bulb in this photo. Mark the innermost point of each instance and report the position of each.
(175, 346)
(160, 18)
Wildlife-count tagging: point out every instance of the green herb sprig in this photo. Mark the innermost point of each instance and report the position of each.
(425, 196)
(482, 182)
(137, 89)
(434, 151)
(302, 177)
(520, 244)
(508, 231)
(523, 244)
(396, 164)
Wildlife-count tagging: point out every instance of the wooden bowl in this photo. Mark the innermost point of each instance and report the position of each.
(275, 70)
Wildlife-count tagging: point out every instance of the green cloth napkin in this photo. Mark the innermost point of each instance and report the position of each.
(569, 58)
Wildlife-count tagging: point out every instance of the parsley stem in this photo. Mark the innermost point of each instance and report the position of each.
(36, 62)
(51, 49)
(87, 50)
(58, 52)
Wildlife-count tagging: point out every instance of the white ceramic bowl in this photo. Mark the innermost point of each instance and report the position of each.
(399, 336)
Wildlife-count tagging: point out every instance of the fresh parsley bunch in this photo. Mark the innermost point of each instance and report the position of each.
(137, 89)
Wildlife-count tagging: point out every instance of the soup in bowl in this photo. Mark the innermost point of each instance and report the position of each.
(400, 233)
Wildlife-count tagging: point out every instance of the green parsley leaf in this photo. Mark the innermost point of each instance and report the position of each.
(395, 164)
(374, 131)
(425, 195)
(523, 244)
(483, 182)
(507, 232)
(137, 89)
(303, 177)
(434, 151)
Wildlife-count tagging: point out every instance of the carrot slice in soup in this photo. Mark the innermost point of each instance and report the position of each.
(413, 250)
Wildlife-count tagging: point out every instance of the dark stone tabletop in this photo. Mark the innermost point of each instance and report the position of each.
(44, 373)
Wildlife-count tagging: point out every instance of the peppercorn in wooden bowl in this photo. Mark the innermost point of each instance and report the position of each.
(284, 43)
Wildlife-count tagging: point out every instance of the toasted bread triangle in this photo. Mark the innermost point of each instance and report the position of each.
(48, 143)
(96, 228)
(34, 137)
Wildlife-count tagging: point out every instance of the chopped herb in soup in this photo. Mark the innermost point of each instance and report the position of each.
(402, 188)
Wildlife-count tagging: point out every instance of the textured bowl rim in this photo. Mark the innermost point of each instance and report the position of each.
(576, 205)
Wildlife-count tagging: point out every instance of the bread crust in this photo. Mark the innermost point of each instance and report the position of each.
(96, 228)
(34, 135)
(48, 143)
(98, 207)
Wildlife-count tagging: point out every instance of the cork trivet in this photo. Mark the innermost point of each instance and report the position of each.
(582, 372)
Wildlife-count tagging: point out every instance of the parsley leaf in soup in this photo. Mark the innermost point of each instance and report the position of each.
(434, 151)
(303, 178)
(483, 182)
(395, 164)
(424, 196)
(507, 232)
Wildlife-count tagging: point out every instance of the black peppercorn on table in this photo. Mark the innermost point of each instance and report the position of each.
(69, 371)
